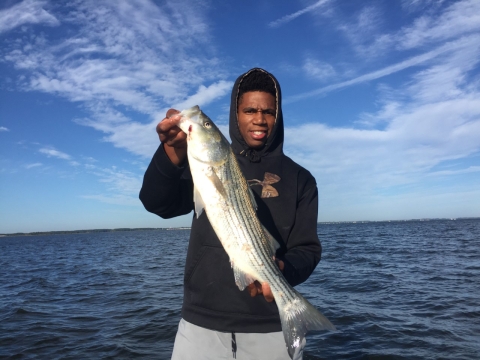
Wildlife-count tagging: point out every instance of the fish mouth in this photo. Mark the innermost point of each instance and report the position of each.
(188, 117)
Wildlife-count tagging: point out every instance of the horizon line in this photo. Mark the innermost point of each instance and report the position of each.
(60, 232)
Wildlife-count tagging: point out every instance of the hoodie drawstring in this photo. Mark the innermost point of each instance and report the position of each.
(234, 346)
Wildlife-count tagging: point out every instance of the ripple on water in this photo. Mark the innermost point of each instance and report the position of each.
(406, 290)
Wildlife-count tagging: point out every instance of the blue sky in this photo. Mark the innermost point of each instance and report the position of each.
(381, 101)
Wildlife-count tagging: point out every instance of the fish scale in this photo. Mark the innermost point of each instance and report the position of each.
(245, 216)
(224, 194)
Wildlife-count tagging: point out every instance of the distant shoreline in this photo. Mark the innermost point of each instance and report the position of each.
(393, 221)
(66, 232)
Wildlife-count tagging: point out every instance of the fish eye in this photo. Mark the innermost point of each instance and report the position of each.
(207, 125)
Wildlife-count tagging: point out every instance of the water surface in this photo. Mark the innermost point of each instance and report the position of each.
(395, 290)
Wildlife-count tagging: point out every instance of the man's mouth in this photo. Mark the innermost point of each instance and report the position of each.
(258, 135)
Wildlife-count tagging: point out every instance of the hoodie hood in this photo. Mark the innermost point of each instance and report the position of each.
(274, 144)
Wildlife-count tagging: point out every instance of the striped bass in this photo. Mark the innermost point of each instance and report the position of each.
(222, 191)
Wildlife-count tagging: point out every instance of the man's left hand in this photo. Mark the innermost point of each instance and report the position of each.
(256, 288)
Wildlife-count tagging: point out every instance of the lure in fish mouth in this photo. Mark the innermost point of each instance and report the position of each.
(225, 196)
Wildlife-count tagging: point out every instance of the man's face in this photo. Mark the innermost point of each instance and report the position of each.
(256, 115)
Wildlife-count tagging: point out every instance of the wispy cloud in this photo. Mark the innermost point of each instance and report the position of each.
(30, 166)
(319, 70)
(122, 186)
(205, 95)
(443, 22)
(460, 18)
(125, 54)
(470, 169)
(287, 18)
(3, 128)
(26, 12)
(463, 43)
(415, 5)
(433, 117)
(51, 152)
(364, 28)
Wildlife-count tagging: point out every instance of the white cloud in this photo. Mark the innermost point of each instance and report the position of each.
(51, 152)
(287, 18)
(29, 166)
(26, 12)
(318, 69)
(443, 21)
(463, 44)
(122, 187)
(132, 55)
(470, 169)
(460, 18)
(3, 128)
(430, 120)
(206, 95)
(363, 31)
(415, 5)
(120, 181)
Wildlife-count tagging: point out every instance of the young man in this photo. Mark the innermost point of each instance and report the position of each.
(218, 320)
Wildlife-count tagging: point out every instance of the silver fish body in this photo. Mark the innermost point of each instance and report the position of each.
(222, 191)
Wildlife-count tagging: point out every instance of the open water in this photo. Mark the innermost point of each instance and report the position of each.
(395, 290)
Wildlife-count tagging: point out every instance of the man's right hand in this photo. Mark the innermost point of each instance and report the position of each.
(173, 138)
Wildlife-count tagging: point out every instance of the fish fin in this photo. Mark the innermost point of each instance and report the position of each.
(242, 279)
(297, 318)
(274, 245)
(216, 182)
(252, 198)
(199, 205)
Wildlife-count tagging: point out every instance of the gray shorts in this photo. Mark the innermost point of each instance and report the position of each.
(195, 342)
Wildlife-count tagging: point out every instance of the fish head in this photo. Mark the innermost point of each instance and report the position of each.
(206, 142)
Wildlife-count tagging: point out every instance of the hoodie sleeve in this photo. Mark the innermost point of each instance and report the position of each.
(167, 190)
(304, 249)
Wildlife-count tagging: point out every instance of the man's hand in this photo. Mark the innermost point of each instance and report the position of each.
(256, 288)
(173, 138)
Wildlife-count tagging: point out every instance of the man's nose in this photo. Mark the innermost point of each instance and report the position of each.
(259, 117)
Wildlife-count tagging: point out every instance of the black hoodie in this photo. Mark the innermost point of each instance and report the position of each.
(211, 298)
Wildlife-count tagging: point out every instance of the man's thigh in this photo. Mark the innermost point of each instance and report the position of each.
(194, 342)
(269, 346)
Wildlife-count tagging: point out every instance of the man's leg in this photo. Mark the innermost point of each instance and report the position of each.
(195, 342)
(270, 346)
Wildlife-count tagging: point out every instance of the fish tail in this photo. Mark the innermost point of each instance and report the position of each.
(298, 316)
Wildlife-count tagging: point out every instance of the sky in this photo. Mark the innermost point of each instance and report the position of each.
(381, 101)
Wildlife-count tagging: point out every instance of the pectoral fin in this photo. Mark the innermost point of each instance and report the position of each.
(199, 205)
(217, 183)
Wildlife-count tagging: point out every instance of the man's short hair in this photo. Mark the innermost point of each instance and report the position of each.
(257, 81)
